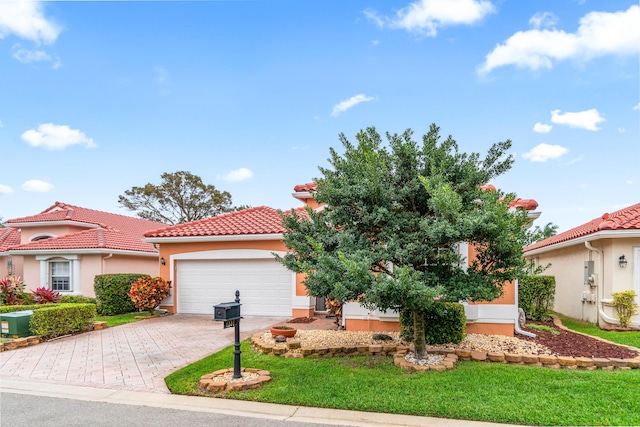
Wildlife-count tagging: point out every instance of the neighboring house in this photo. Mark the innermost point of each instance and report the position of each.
(9, 266)
(592, 261)
(208, 260)
(64, 247)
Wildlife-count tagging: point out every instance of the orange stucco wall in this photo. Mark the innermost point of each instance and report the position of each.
(169, 249)
(508, 289)
(472, 328)
(371, 325)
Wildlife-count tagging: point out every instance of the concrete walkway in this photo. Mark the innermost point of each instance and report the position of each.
(137, 356)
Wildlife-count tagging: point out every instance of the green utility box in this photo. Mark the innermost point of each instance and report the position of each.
(16, 324)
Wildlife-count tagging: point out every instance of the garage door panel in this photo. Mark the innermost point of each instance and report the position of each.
(265, 286)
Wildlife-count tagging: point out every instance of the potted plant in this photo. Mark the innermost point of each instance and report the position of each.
(285, 331)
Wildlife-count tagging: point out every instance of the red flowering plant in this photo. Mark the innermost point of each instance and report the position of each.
(45, 296)
(148, 292)
(11, 290)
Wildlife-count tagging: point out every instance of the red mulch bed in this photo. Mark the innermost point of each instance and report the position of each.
(302, 320)
(575, 345)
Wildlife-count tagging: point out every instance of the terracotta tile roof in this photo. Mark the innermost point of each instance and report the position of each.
(95, 238)
(528, 204)
(258, 220)
(118, 232)
(310, 186)
(624, 219)
(9, 237)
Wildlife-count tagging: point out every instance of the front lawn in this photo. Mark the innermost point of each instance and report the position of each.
(631, 338)
(121, 319)
(472, 391)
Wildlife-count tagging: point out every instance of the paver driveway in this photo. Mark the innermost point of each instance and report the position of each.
(137, 356)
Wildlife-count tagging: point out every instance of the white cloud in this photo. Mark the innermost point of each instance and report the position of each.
(5, 189)
(25, 19)
(544, 152)
(637, 107)
(343, 106)
(629, 182)
(1, 125)
(599, 34)
(56, 137)
(25, 55)
(37, 186)
(542, 128)
(543, 20)
(588, 119)
(299, 147)
(427, 16)
(622, 130)
(238, 175)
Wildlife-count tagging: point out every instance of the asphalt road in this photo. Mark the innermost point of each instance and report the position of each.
(22, 410)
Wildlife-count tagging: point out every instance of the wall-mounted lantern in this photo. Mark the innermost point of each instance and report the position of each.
(622, 261)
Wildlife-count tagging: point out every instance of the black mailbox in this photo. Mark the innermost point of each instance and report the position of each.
(226, 311)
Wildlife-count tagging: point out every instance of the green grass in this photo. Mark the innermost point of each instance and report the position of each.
(121, 319)
(631, 338)
(542, 328)
(472, 391)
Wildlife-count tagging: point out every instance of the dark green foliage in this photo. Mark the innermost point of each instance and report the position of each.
(394, 216)
(77, 299)
(62, 319)
(446, 323)
(536, 295)
(112, 293)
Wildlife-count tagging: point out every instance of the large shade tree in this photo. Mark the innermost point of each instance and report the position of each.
(394, 216)
(180, 197)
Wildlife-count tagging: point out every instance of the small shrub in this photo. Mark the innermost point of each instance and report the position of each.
(147, 293)
(62, 319)
(445, 323)
(11, 290)
(77, 299)
(536, 295)
(626, 306)
(112, 293)
(43, 296)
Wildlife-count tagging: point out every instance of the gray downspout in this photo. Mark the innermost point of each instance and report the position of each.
(517, 323)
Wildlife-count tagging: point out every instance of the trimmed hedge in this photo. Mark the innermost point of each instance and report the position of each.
(62, 319)
(77, 299)
(445, 323)
(14, 308)
(112, 293)
(536, 294)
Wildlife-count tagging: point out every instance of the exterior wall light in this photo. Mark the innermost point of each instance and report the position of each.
(622, 261)
(163, 262)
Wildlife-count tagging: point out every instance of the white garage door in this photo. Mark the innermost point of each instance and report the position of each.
(265, 286)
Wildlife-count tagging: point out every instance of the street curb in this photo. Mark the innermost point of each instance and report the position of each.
(288, 413)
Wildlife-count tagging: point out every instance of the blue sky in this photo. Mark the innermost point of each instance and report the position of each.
(97, 97)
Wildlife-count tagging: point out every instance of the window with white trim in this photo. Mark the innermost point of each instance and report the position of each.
(60, 272)
(60, 276)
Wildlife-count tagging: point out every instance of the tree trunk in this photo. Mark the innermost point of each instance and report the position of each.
(418, 334)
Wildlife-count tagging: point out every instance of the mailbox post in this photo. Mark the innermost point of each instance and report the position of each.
(229, 313)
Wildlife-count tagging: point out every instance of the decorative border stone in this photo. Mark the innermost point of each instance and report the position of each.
(451, 356)
(211, 383)
(19, 343)
(97, 326)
